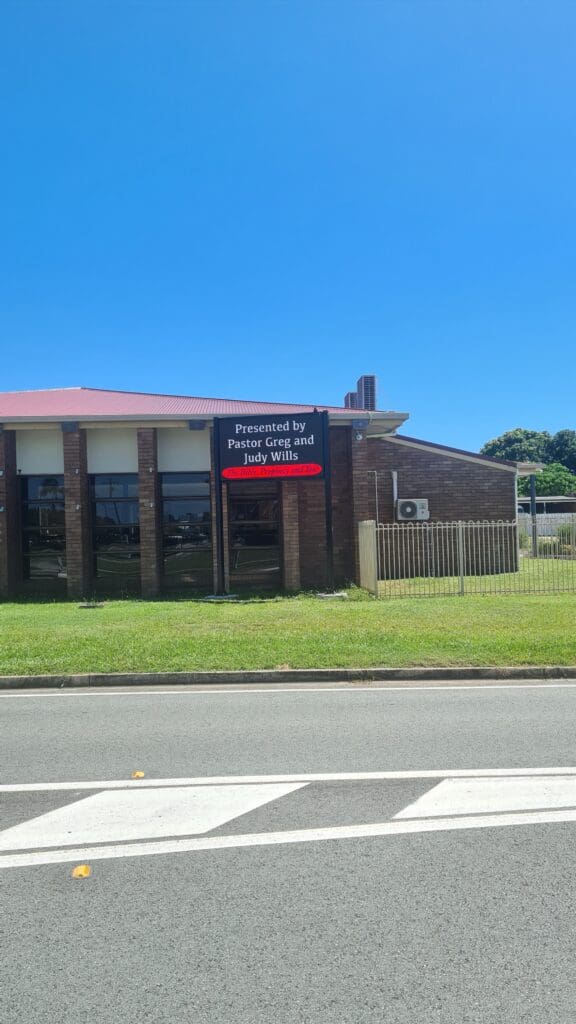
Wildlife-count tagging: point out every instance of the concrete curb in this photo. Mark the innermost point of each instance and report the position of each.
(407, 676)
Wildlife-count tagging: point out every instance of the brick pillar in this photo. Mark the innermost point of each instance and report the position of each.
(360, 490)
(312, 540)
(150, 513)
(290, 536)
(340, 459)
(77, 513)
(10, 560)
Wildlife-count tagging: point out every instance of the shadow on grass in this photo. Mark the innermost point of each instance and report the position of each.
(100, 597)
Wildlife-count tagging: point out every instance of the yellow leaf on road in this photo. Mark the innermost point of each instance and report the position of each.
(82, 871)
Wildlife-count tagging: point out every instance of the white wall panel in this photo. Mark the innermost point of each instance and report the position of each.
(39, 452)
(112, 450)
(181, 450)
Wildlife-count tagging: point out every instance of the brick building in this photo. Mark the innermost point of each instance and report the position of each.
(104, 492)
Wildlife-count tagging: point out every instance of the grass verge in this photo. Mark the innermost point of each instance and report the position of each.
(302, 632)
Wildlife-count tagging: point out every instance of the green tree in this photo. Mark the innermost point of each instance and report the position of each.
(555, 479)
(562, 448)
(519, 445)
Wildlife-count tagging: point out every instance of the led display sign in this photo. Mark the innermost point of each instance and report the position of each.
(259, 447)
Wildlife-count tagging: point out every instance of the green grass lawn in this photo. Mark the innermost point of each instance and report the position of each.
(301, 632)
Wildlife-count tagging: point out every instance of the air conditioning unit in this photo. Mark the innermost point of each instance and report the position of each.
(412, 509)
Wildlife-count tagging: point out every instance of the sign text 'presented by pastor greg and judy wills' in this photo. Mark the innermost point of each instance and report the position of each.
(272, 446)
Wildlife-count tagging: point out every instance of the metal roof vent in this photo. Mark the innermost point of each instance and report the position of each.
(365, 395)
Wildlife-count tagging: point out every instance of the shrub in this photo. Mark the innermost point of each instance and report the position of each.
(566, 533)
(548, 547)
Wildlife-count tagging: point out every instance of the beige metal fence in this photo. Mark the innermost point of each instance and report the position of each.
(432, 559)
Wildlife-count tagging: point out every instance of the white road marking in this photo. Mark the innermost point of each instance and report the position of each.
(493, 795)
(242, 780)
(149, 814)
(392, 828)
(155, 809)
(277, 689)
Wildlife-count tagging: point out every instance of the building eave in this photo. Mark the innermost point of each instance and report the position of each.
(372, 422)
(453, 453)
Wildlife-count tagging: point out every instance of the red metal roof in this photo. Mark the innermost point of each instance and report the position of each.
(93, 403)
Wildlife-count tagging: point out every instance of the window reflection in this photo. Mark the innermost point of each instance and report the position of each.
(112, 513)
(254, 536)
(115, 526)
(193, 510)
(184, 485)
(43, 533)
(186, 529)
(114, 485)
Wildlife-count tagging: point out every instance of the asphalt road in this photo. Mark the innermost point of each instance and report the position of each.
(469, 922)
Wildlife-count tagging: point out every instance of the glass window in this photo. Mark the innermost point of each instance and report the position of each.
(43, 533)
(45, 565)
(116, 563)
(192, 510)
(189, 562)
(189, 536)
(113, 513)
(103, 536)
(254, 523)
(254, 535)
(115, 526)
(38, 541)
(176, 485)
(43, 488)
(186, 529)
(253, 562)
(43, 513)
(256, 511)
(115, 485)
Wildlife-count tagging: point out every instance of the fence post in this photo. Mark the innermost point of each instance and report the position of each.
(367, 544)
(460, 539)
(533, 515)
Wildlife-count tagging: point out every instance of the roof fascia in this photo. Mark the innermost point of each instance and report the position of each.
(451, 454)
(37, 423)
(390, 420)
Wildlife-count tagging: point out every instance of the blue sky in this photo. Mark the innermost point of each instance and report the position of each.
(265, 200)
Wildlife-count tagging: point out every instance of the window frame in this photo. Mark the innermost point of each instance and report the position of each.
(54, 531)
(123, 536)
(182, 533)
